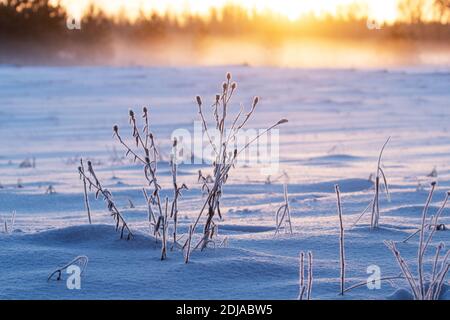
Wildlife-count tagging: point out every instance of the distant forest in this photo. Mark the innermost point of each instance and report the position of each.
(33, 31)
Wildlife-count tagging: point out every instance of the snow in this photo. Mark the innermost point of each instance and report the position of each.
(338, 121)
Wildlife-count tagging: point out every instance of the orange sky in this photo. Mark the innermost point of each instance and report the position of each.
(380, 10)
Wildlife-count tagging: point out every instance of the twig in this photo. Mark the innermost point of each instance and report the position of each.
(86, 197)
(341, 240)
(95, 184)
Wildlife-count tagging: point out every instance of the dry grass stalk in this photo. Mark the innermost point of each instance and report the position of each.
(165, 224)
(176, 194)
(8, 228)
(375, 218)
(422, 239)
(145, 152)
(286, 216)
(423, 287)
(95, 185)
(305, 288)
(225, 155)
(187, 246)
(380, 179)
(86, 197)
(341, 240)
(433, 223)
(80, 261)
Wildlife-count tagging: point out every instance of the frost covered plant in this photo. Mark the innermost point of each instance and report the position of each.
(225, 154)
(284, 211)
(380, 180)
(85, 190)
(341, 240)
(8, 227)
(187, 246)
(305, 288)
(80, 261)
(144, 151)
(95, 185)
(425, 287)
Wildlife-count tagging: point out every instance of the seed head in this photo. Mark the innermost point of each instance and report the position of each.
(233, 86)
(145, 110)
(131, 113)
(217, 97)
(116, 128)
(433, 183)
(228, 76)
(282, 121)
(224, 86)
(199, 101)
(255, 101)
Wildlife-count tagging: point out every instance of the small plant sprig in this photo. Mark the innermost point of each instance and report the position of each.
(286, 215)
(177, 192)
(375, 203)
(95, 185)
(420, 289)
(146, 153)
(225, 156)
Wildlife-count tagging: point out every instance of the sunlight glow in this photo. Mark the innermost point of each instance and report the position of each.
(380, 10)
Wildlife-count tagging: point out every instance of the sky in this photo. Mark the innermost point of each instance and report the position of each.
(380, 10)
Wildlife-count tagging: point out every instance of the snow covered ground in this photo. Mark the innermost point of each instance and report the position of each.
(338, 121)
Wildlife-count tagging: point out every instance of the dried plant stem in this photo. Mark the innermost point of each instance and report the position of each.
(82, 261)
(422, 238)
(364, 283)
(308, 287)
(148, 155)
(176, 194)
(361, 215)
(341, 240)
(86, 198)
(286, 216)
(188, 245)
(151, 214)
(149, 160)
(164, 232)
(310, 274)
(404, 268)
(376, 204)
(420, 289)
(225, 156)
(302, 269)
(95, 184)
